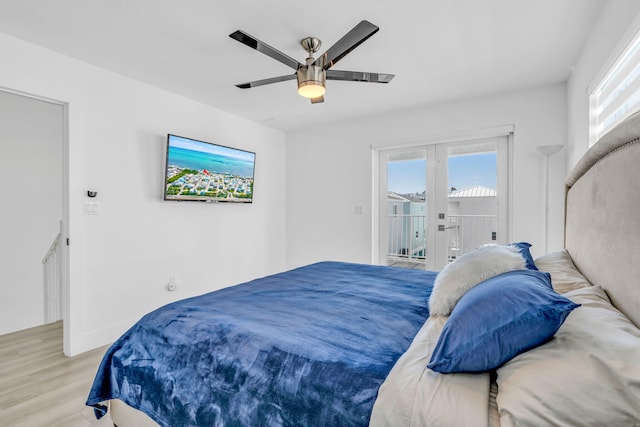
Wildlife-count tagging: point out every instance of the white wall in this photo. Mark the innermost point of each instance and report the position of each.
(121, 260)
(31, 136)
(329, 170)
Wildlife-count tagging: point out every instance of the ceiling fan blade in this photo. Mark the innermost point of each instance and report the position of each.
(267, 81)
(260, 46)
(317, 100)
(346, 44)
(359, 76)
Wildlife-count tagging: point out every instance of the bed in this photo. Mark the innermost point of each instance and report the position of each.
(495, 339)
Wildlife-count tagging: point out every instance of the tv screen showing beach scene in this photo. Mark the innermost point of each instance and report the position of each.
(207, 172)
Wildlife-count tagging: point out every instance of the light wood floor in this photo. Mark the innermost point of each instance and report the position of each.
(40, 386)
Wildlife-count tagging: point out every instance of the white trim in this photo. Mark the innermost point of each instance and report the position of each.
(32, 96)
(65, 231)
(505, 186)
(375, 202)
(510, 186)
(458, 136)
(438, 240)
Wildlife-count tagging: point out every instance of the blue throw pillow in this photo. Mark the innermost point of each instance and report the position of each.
(499, 319)
(526, 254)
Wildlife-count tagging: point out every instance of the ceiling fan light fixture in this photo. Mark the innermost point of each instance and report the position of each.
(311, 89)
(311, 81)
(313, 73)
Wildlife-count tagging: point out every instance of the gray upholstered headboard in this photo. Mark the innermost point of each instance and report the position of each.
(602, 224)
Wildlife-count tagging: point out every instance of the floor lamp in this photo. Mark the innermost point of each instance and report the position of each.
(547, 151)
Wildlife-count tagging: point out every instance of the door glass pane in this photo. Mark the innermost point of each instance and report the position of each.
(472, 197)
(406, 209)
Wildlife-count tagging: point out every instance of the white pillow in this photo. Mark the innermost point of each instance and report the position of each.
(565, 277)
(467, 271)
(588, 374)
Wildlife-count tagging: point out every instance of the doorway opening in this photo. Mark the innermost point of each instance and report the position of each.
(33, 141)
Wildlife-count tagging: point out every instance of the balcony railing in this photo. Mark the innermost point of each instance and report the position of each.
(406, 238)
(467, 232)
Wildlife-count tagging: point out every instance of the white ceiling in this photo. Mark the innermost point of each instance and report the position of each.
(439, 50)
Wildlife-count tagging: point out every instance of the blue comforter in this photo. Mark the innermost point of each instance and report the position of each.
(307, 347)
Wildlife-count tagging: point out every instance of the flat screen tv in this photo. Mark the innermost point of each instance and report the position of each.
(205, 172)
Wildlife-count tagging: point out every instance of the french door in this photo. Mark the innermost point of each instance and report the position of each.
(438, 201)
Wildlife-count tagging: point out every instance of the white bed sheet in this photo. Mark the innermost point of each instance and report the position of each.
(588, 375)
(413, 395)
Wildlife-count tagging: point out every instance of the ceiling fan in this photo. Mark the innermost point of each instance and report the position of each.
(312, 75)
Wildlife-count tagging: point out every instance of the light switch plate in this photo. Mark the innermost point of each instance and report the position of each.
(91, 208)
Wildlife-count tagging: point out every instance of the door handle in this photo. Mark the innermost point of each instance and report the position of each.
(441, 227)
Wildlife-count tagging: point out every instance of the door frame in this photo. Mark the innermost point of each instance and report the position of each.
(379, 179)
(65, 224)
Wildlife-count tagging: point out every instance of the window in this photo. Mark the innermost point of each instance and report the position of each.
(617, 96)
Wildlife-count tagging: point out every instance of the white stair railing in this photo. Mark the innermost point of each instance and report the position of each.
(52, 271)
